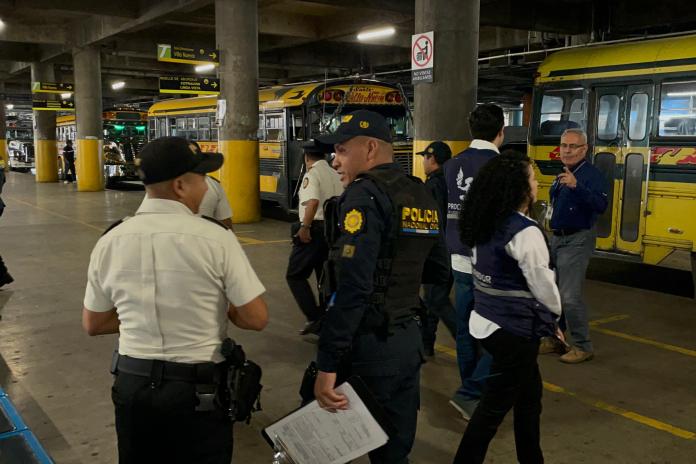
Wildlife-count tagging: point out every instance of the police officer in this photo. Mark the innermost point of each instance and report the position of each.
(168, 281)
(309, 247)
(388, 225)
(214, 203)
(69, 157)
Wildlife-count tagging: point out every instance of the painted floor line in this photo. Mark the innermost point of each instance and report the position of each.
(630, 415)
(645, 341)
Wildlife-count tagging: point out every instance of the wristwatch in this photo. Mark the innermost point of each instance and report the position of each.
(305, 226)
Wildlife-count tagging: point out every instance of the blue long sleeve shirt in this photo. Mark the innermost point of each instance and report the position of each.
(579, 208)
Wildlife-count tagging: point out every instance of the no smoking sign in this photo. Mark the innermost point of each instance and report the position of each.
(422, 52)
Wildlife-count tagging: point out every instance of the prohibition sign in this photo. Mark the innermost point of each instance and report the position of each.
(422, 51)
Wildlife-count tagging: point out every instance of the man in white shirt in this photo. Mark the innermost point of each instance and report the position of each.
(214, 203)
(486, 123)
(168, 282)
(309, 247)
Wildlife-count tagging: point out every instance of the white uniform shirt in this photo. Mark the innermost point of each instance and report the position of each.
(215, 204)
(170, 275)
(320, 182)
(529, 249)
(462, 263)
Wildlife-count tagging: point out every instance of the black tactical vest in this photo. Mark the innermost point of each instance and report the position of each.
(414, 230)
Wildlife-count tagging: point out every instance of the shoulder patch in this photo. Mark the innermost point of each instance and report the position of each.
(353, 221)
(115, 224)
(305, 182)
(212, 219)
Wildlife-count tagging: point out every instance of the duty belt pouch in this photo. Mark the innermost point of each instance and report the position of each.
(243, 383)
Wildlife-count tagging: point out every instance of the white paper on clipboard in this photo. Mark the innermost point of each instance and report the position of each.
(312, 435)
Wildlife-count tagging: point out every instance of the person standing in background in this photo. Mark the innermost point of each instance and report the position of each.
(69, 157)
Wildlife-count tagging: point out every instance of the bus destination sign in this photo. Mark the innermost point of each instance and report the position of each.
(189, 55)
(192, 85)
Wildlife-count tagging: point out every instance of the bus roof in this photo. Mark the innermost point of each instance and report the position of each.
(659, 56)
(365, 92)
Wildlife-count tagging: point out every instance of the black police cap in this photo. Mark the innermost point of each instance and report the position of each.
(440, 150)
(167, 158)
(360, 122)
(315, 147)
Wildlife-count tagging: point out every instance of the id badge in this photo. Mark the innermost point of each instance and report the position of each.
(549, 212)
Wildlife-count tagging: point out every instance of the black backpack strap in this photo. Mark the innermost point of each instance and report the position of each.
(220, 223)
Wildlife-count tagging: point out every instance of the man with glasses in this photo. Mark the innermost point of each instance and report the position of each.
(578, 197)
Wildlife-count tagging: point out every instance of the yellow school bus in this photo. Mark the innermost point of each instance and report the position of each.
(125, 133)
(288, 117)
(637, 102)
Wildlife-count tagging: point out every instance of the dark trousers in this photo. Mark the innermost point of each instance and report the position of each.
(306, 258)
(439, 308)
(390, 367)
(514, 382)
(160, 424)
(70, 171)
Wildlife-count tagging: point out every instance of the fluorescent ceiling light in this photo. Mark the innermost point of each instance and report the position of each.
(66, 95)
(681, 94)
(201, 68)
(9, 106)
(118, 85)
(377, 33)
(2, 24)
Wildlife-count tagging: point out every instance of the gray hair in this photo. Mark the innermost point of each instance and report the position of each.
(577, 131)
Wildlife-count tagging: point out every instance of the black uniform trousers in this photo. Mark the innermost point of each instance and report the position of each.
(514, 382)
(390, 367)
(306, 258)
(159, 424)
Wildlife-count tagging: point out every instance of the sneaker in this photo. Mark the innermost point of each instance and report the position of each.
(576, 356)
(465, 407)
(550, 345)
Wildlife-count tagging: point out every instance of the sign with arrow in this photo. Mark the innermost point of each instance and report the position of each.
(51, 87)
(189, 55)
(194, 85)
(53, 105)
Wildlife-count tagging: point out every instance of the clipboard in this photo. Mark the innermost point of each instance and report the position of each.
(289, 433)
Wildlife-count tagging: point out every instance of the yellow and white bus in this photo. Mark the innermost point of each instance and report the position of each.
(125, 133)
(288, 117)
(637, 102)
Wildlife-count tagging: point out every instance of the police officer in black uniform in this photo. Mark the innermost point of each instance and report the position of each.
(388, 225)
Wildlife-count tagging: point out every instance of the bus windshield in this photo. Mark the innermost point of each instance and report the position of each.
(396, 117)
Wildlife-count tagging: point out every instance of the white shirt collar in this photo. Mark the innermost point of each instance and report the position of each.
(159, 205)
(483, 145)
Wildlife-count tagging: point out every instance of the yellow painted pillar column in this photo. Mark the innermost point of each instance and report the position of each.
(89, 160)
(236, 32)
(441, 108)
(45, 149)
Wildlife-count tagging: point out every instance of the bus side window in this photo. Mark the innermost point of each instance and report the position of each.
(678, 109)
(608, 117)
(297, 125)
(638, 116)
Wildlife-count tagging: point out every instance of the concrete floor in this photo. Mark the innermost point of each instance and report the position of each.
(635, 403)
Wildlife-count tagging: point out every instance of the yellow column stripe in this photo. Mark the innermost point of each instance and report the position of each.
(630, 415)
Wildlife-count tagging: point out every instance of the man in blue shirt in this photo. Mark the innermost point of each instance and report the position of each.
(578, 197)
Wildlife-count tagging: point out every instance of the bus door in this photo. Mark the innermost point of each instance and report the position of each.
(620, 137)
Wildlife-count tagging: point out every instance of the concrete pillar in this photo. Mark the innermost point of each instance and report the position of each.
(45, 149)
(441, 108)
(3, 130)
(236, 32)
(89, 161)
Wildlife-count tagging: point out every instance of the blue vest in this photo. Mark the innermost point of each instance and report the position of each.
(459, 173)
(501, 293)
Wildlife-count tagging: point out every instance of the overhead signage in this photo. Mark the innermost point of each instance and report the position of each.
(190, 55)
(51, 87)
(53, 105)
(422, 52)
(195, 85)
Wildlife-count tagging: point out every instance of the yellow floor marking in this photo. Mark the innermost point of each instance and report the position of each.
(52, 213)
(630, 415)
(253, 241)
(618, 317)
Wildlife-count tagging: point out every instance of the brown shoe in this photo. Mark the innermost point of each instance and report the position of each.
(550, 345)
(576, 356)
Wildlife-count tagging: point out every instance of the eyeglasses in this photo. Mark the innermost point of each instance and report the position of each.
(572, 146)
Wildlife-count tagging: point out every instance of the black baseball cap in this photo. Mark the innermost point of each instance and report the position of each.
(440, 150)
(315, 147)
(170, 157)
(360, 122)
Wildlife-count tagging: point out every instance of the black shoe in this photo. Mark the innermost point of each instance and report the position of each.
(311, 327)
(6, 279)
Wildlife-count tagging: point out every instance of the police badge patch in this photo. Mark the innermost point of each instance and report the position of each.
(353, 221)
(305, 182)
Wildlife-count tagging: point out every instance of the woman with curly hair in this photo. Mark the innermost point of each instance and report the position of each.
(516, 302)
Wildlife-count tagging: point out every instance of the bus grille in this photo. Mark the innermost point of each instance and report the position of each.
(403, 156)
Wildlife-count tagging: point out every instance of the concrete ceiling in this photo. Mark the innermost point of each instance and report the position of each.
(306, 39)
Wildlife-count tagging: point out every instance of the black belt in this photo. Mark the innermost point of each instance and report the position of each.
(203, 373)
(564, 232)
